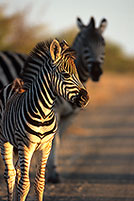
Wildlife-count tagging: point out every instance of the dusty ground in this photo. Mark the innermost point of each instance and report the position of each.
(97, 151)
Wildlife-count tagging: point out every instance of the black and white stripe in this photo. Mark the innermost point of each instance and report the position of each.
(28, 121)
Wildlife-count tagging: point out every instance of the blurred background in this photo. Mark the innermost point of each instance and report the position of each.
(23, 24)
(104, 132)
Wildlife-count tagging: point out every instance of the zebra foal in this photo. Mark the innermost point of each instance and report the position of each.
(28, 121)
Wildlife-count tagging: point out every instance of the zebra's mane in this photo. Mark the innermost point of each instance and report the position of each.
(39, 52)
(35, 61)
(40, 49)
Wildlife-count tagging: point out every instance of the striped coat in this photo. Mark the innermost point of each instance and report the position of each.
(28, 121)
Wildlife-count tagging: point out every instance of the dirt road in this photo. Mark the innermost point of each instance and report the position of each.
(96, 155)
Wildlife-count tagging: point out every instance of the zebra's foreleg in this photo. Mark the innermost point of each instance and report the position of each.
(39, 183)
(25, 155)
(10, 173)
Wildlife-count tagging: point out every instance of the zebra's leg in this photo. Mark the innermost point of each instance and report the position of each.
(25, 155)
(39, 183)
(52, 173)
(10, 173)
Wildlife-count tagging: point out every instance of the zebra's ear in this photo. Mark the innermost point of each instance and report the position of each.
(103, 25)
(55, 49)
(80, 23)
(92, 23)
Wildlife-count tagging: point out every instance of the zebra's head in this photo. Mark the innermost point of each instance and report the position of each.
(90, 48)
(66, 81)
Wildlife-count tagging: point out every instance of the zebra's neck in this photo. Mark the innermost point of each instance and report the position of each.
(37, 76)
(40, 96)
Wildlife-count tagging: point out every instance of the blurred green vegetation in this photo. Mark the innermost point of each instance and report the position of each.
(116, 60)
(17, 35)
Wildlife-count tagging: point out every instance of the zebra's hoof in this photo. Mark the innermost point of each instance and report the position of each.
(54, 179)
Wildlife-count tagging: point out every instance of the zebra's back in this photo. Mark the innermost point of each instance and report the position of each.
(11, 65)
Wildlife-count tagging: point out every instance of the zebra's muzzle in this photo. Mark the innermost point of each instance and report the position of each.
(96, 71)
(82, 99)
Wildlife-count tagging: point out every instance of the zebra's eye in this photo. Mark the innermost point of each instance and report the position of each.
(65, 75)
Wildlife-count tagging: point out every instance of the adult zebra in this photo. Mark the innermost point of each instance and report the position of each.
(27, 121)
(89, 45)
